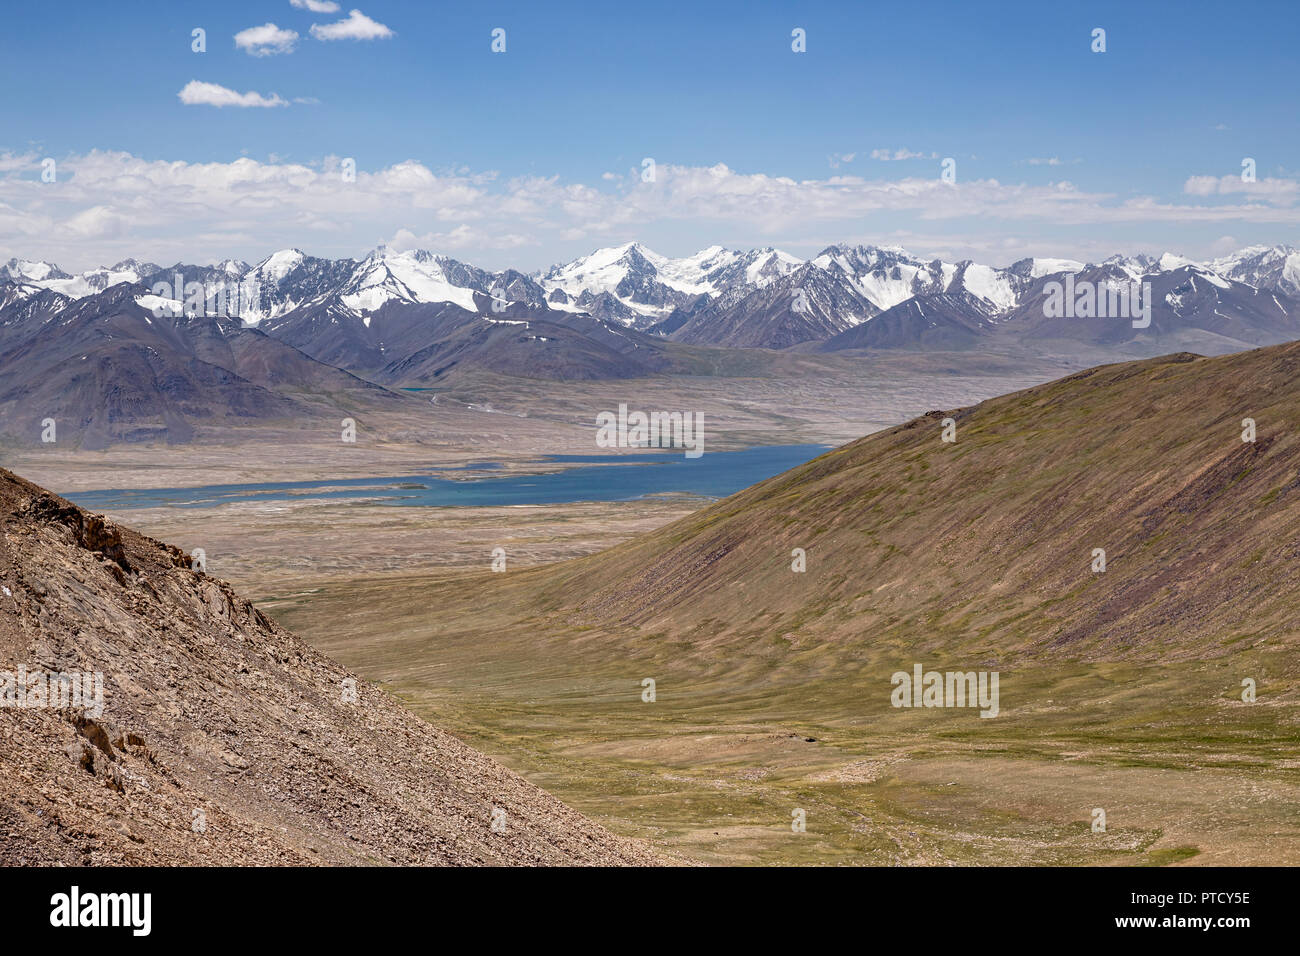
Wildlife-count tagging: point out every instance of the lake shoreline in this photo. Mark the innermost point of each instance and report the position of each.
(579, 478)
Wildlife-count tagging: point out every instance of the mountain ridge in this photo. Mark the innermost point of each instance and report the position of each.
(637, 287)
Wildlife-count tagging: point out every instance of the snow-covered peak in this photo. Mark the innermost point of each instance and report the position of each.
(602, 270)
(13, 291)
(160, 305)
(1039, 267)
(384, 251)
(413, 276)
(1253, 252)
(46, 275)
(998, 287)
(692, 274)
(279, 264)
(885, 277)
(32, 270)
(132, 267)
(635, 251)
(637, 286)
(717, 269)
(1169, 261)
(1264, 267)
(768, 264)
(1135, 267)
(285, 280)
(234, 268)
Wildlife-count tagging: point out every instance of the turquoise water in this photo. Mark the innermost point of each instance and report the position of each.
(590, 478)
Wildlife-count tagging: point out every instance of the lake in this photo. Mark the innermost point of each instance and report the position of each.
(587, 478)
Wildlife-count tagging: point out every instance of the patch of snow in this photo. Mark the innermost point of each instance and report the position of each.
(1046, 267)
(990, 285)
(280, 264)
(158, 305)
(407, 277)
(1169, 262)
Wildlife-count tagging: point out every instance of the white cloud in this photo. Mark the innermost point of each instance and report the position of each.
(108, 205)
(266, 40)
(197, 93)
(1282, 192)
(837, 159)
(890, 155)
(357, 26)
(97, 222)
(316, 6)
(461, 238)
(10, 162)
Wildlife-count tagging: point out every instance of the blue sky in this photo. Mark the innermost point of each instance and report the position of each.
(533, 156)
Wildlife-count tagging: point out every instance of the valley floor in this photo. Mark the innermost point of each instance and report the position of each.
(787, 400)
(718, 763)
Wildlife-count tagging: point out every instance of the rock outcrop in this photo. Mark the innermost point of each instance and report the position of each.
(150, 715)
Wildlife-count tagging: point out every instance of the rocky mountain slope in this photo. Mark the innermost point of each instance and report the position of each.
(414, 343)
(110, 368)
(949, 322)
(223, 739)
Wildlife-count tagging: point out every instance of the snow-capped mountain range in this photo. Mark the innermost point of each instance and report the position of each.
(46, 275)
(135, 352)
(638, 287)
(760, 297)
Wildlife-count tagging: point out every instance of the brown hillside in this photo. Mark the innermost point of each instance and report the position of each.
(210, 708)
